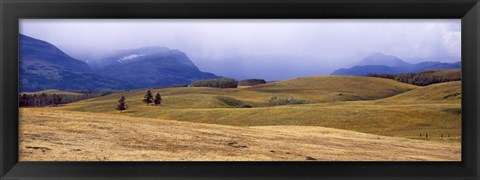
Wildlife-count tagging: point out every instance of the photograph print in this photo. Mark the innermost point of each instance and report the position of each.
(240, 90)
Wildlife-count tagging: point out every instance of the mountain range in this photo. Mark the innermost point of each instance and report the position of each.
(44, 66)
(151, 66)
(379, 63)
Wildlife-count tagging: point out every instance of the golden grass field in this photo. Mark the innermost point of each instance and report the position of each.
(52, 135)
(347, 118)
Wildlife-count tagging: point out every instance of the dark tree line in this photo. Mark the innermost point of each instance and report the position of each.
(43, 99)
(148, 98)
(251, 82)
(419, 79)
(386, 76)
(217, 83)
(38, 100)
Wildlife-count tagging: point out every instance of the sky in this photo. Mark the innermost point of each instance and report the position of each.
(260, 48)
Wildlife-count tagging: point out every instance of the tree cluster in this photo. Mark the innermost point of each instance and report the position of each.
(419, 79)
(148, 98)
(251, 82)
(39, 100)
(217, 83)
(44, 99)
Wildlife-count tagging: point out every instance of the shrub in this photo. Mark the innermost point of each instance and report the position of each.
(247, 106)
(217, 83)
(251, 82)
(232, 102)
(178, 85)
(275, 101)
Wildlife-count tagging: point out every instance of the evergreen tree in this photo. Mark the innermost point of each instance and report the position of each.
(158, 99)
(122, 105)
(148, 98)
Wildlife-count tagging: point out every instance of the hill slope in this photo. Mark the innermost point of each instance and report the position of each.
(53, 135)
(326, 108)
(448, 91)
(313, 89)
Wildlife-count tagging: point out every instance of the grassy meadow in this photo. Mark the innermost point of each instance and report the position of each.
(345, 118)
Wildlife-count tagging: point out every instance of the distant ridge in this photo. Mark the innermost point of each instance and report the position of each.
(379, 63)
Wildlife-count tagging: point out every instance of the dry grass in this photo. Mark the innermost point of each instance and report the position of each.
(47, 134)
(315, 89)
(442, 92)
(333, 126)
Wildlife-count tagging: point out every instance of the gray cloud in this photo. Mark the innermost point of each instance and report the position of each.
(272, 49)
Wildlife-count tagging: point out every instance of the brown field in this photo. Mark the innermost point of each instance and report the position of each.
(57, 135)
(347, 119)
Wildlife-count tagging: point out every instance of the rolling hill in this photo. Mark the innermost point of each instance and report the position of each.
(365, 105)
(448, 91)
(314, 89)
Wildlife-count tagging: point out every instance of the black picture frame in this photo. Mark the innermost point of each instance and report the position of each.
(13, 10)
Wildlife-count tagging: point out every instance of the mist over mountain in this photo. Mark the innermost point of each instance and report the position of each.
(379, 63)
(44, 66)
(150, 67)
(86, 54)
(383, 59)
